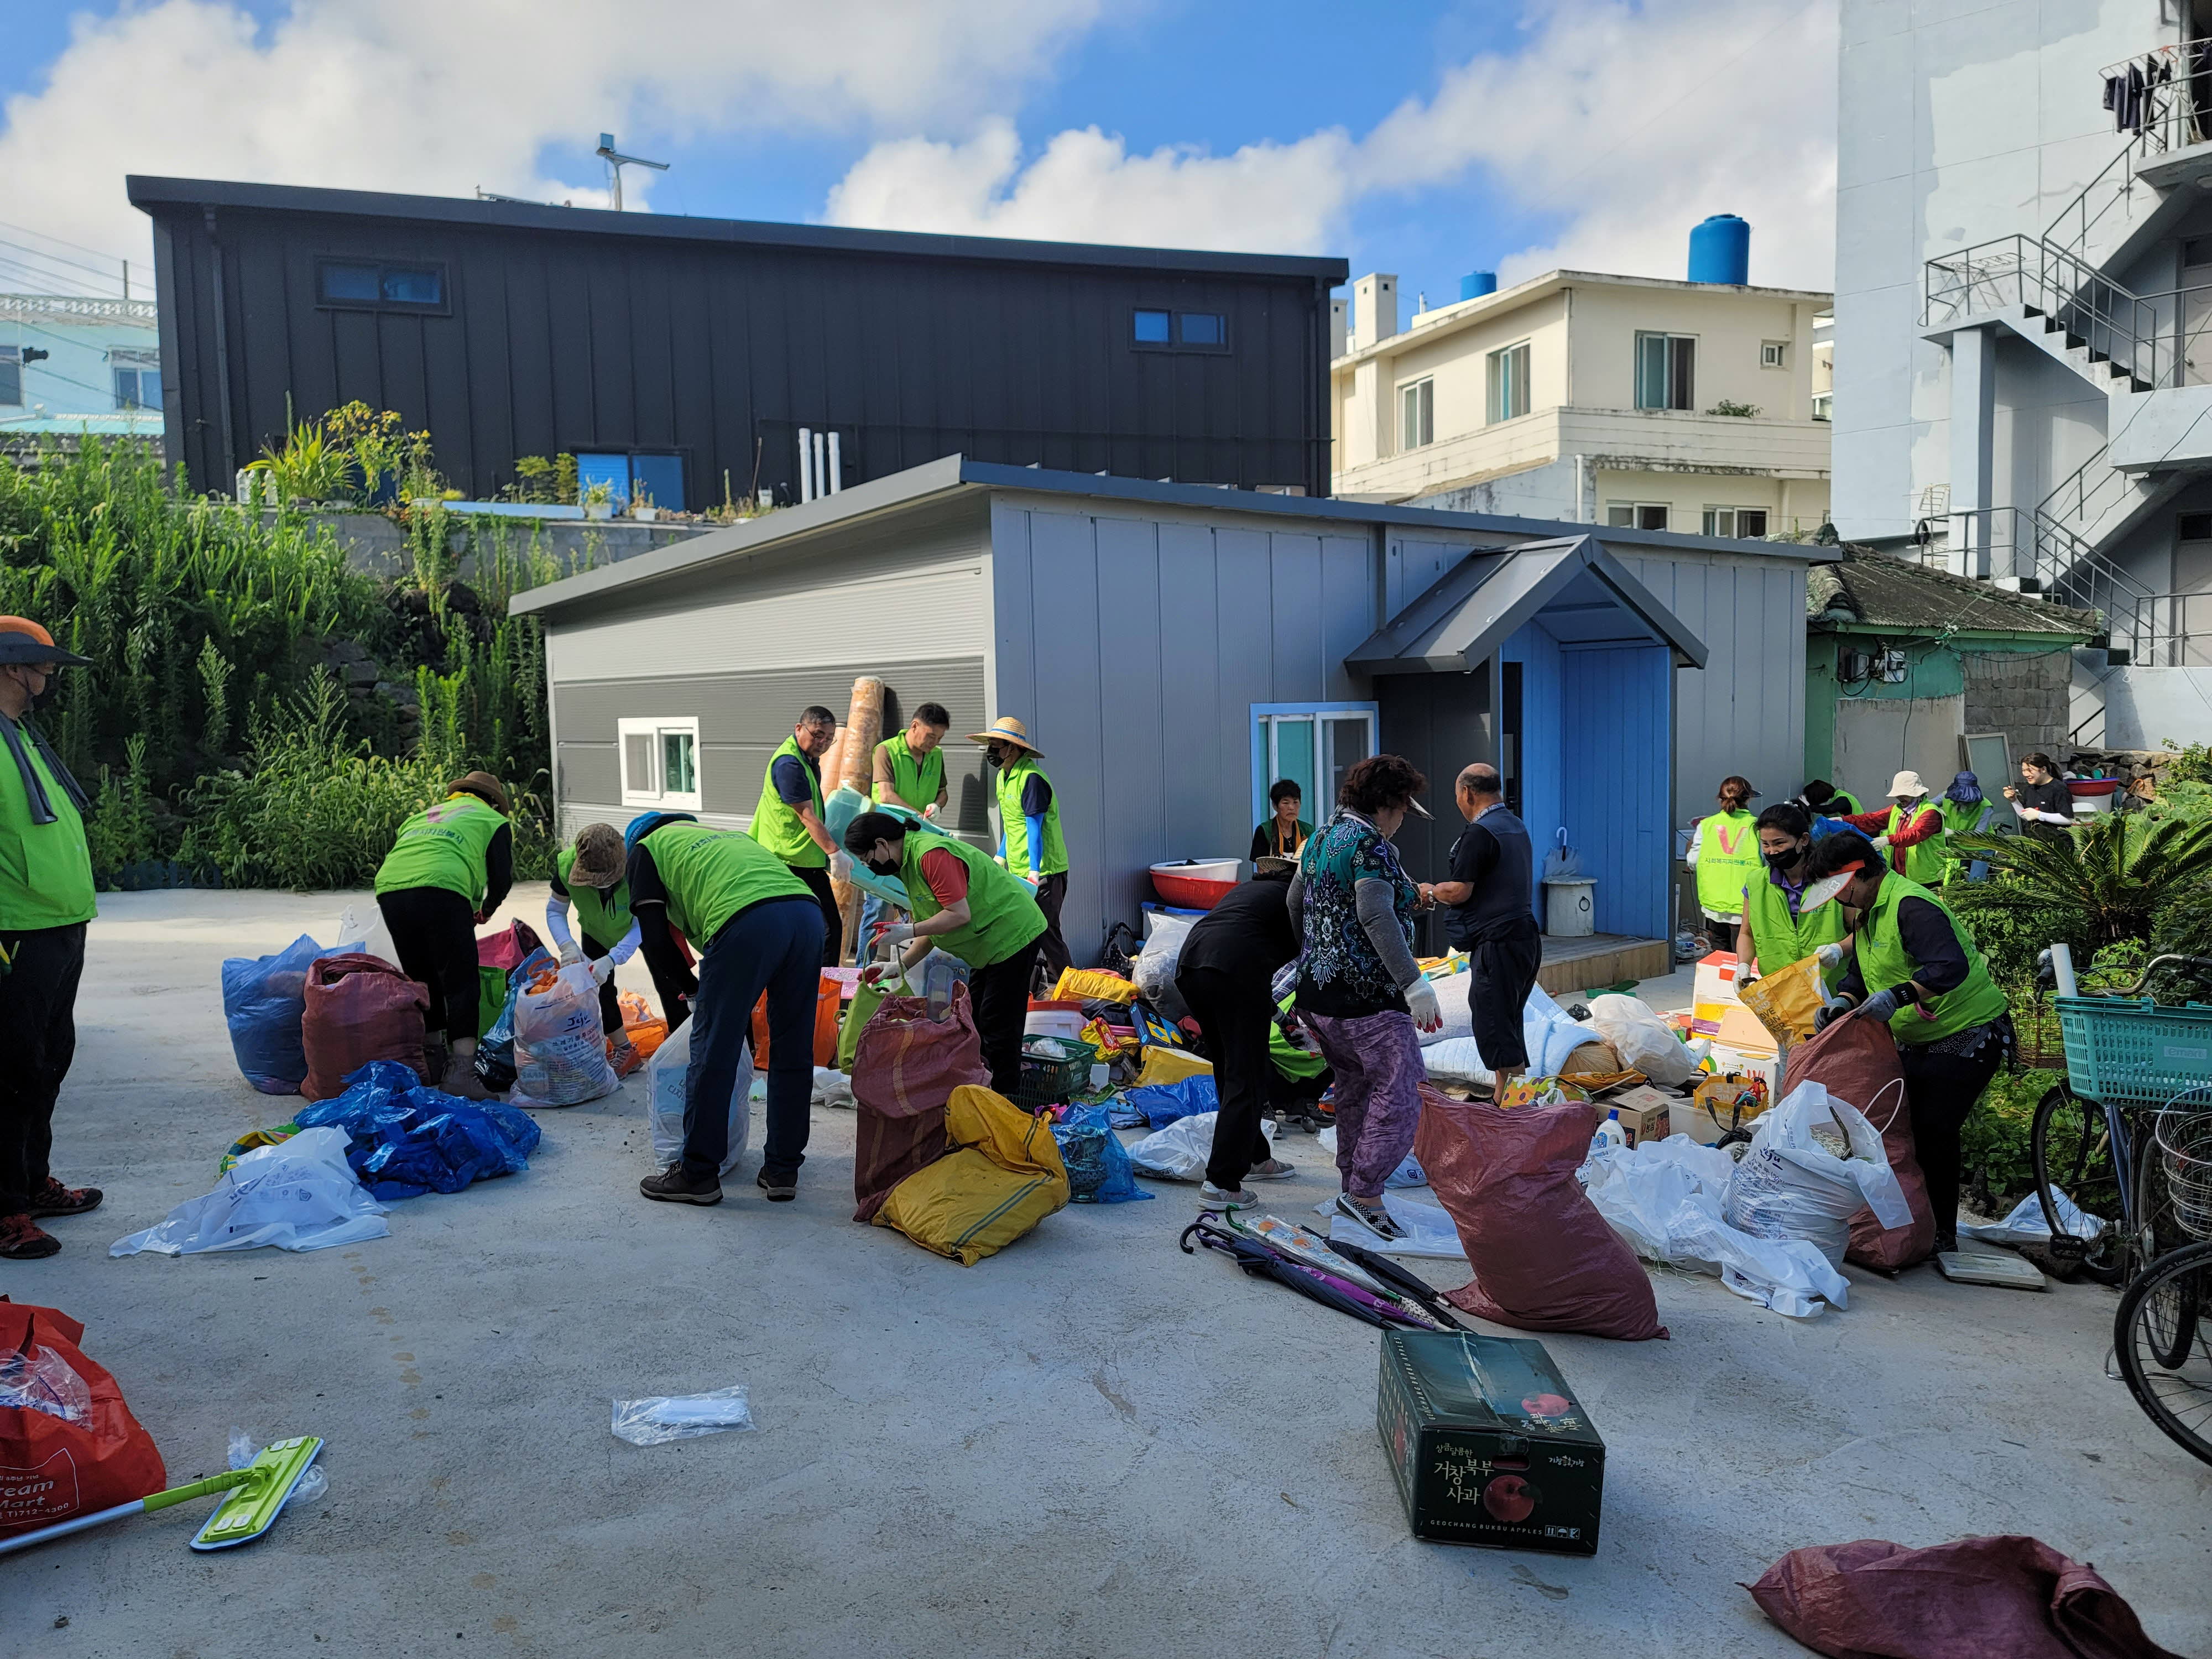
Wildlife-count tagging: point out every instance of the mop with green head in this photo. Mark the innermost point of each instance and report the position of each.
(254, 1497)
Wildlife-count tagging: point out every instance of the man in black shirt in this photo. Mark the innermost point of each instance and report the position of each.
(1225, 975)
(1489, 915)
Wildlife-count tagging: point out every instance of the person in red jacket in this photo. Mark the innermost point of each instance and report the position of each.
(1914, 819)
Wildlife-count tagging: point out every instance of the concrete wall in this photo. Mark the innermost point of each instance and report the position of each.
(2023, 695)
(2144, 707)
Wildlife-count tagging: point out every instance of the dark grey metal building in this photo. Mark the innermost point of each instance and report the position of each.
(684, 355)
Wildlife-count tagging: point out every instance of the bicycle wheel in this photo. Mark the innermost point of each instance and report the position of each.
(2163, 1348)
(2073, 1155)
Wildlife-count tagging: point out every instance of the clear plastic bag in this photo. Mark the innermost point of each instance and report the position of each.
(1644, 1041)
(682, 1416)
(1790, 1185)
(365, 932)
(42, 1381)
(1180, 1151)
(664, 1081)
(300, 1194)
(1155, 969)
(560, 1051)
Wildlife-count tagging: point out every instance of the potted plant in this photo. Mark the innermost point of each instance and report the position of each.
(641, 504)
(599, 500)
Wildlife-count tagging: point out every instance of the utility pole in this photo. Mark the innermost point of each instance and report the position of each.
(616, 161)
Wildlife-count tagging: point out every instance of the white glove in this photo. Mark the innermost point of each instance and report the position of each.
(603, 970)
(571, 954)
(1421, 1000)
(1829, 956)
(930, 810)
(1881, 843)
(894, 937)
(841, 865)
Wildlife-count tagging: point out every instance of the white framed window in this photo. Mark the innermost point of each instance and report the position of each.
(1314, 744)
(1509, 382)
(1749, 522)
(1636, 515)
(1774, 354)
(1417, 413)
(660, 762)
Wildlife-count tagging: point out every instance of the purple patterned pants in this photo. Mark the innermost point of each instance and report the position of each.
(1377, 1061)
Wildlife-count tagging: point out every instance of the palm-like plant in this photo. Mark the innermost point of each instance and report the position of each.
(2112, 872)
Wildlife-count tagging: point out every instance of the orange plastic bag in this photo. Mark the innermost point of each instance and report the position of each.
(646, 1029)
(828, 1004)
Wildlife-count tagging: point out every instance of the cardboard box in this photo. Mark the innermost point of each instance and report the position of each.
(1642, 1112)
(1487, 1442)
(1717, 1012)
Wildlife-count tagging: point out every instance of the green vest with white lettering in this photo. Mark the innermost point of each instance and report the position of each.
(444, 846)
(712, 874)
(602, 912)
(1002, 914)
(777, 826)
(1728, 861)
(1883, 963)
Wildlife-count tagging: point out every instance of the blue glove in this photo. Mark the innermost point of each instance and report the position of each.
(1884, 1005)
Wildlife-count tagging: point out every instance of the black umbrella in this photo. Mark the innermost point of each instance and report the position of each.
(1260, 1262)
(1403, 1283)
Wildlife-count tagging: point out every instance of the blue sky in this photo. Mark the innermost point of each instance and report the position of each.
(1427, 140)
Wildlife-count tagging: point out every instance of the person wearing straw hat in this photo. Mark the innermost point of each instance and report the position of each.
(46, 897)
(449, 868)
(590, 876)
(1030, 842)
(1909, 828)
(1916, 969)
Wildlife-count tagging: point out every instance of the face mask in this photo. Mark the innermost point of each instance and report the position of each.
(1789, 860)
(47, 698)
(890, 868)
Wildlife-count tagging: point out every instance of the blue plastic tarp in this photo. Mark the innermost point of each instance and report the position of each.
(1162, 1104)
(409, 1139)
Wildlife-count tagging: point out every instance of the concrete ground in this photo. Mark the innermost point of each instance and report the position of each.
(1089, 1445)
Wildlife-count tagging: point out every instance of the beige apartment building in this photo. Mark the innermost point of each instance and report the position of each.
(1630, 401)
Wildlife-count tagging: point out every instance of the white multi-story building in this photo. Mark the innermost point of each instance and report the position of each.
(2023, 294)
(1630, 401)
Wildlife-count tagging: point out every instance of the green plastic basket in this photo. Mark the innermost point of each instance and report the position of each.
(2135, 1053)
(1053, 1068)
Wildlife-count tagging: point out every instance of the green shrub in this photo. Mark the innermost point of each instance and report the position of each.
(1997, 1169)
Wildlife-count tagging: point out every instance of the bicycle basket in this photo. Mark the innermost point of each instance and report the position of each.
(2131, 1053)
(2184, 1134)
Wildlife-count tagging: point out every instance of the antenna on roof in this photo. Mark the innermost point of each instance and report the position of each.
(617, 162)
(484, 195)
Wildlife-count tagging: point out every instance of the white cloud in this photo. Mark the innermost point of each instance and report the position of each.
(1629, 121)
(440, 96)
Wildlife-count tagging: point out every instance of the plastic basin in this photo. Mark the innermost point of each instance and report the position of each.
(1196, 883)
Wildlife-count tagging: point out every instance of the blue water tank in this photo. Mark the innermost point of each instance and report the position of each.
(1720, 250)
(1475, 285)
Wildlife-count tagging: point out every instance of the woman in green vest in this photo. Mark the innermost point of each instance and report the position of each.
(788, 819)
(1724, 853)
(1909, 828)
(590, 876)
(45, 900)
(449, 869)
(966, 905)
(1030, 842)
(1778, 930)
(1919, 972)
(756, 930)
(1966, 812)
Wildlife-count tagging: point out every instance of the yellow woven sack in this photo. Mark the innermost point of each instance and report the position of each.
(1002, 1177)
(1787, 1000)
(1170, 1065)
(1092, 985)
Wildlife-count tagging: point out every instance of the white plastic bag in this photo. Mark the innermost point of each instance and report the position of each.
(1428, 1229)
(1790, 1185)
(1180, 1151)
(1153, 972)
(560, 1050)
(1452, 1004)
(300, 1194)
(1644, 1041)
(682, 1416)
(2027, 1225)
(366, 933)
(1407, 1174)
(664, 1081)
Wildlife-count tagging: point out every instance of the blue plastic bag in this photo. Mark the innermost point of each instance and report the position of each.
(1162, 1104)
(409, 1139)
(1098, 1167)
(264, 1001)
(495, 1061)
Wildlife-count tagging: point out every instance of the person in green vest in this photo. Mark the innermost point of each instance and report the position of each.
(1724, 853)
(1910, 829)
(1777, 929)
(788, 820)
(1030, 842)
(591, 875)
(449, 868)
(1966, 812)
(965, 904)
(757, 929)
(910, 765)
(1823, 799)
(45, 900)
(1917, 971)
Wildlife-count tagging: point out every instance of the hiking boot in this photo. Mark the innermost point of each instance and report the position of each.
(1373, 1217)
(54, 1199)
(1274, 1170)
(22, 1240)
(1239, 1198)
(780, 1189)
(672, 1186)
(460, 1079)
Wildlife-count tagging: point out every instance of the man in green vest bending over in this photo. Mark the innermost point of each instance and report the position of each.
(1917, 971)
(1029, 830)
(46, 899)
(965, 905)
(788, 820)
(756, 928)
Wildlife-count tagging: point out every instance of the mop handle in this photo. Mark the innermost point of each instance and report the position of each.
(160, 1500)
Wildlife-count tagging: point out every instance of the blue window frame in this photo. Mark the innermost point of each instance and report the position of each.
(660, 477)
(1204, 328)
(377, 285)
(1312, 744)
(1152, 328)
(1179, 331)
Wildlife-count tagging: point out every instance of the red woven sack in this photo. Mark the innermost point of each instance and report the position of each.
(2005, 1597)
(1544, 1259)
(360, 1008)
(56, 1467)
(1856, 1059)
(506, 949)
(905, 1069)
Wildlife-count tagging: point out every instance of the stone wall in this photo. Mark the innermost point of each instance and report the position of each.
(2023, 695)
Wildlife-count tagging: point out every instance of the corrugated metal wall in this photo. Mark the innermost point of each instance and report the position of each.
(1135, 645)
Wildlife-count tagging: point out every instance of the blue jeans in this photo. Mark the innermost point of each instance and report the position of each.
(775, 947)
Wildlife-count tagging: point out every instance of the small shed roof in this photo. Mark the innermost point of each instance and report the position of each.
(1866, 590)
(1577, 591)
